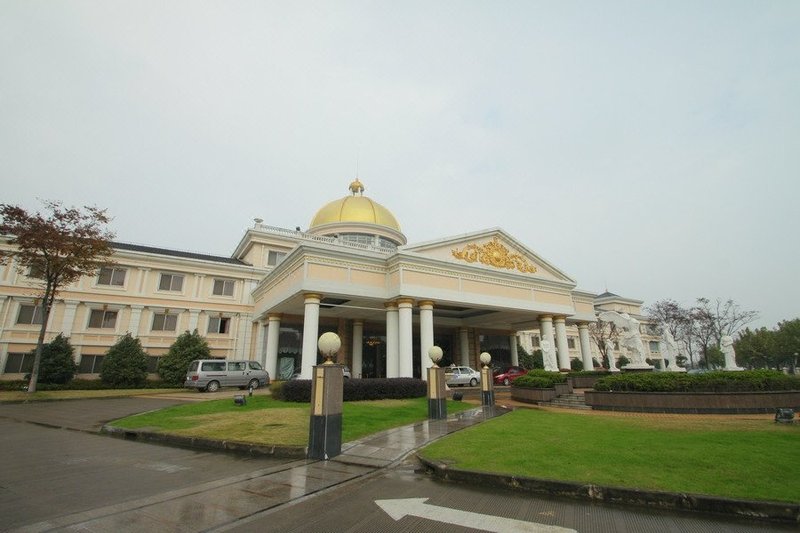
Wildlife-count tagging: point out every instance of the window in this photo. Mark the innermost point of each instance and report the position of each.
(255, 365)
(111, 276)
(275, 257)
(571, 343)
(171, 282)
(100, 318)
(654, 347)
(164, 322)
(152, 364)
(214, 366)
(218, 324)
(239, 365)
(29, 314)
(223, 287)
(535, 341)
(19, 363)
(90, 364)
(36, 271)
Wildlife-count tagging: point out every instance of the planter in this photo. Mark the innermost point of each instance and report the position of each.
(563, 388)
(526, 395)
(693, 402)
(584, 382)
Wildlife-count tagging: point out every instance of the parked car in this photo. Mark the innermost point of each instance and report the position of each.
(461, 375)
(211, 374)
(508, 375)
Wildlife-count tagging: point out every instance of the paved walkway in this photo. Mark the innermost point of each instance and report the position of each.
(223, 502)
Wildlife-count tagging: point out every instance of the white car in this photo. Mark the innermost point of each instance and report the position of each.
(461, 375)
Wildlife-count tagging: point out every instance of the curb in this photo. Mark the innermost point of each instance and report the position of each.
(241, 448)
(786, 513)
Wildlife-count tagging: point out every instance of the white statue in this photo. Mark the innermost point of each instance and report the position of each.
(726, 345)
(612, 363)
(669, 349)
(548, 356)
(631, 337)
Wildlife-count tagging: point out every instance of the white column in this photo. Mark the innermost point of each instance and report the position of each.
(586, 347)
(561, 342)
(463, 334)
(245, 333)
(546, 329)
(405, 338)
(4, 302)
(133, 323)
(260, 335)
(310, 334)
(358, 347)
(512, 339)
(425, 336)
(392, 340)
(194, 315)
(273, 336)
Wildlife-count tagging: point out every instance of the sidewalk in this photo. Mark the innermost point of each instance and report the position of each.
(221, 503)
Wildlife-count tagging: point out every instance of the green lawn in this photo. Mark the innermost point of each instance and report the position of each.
(267, 421)
(749, 459)
(22, 396)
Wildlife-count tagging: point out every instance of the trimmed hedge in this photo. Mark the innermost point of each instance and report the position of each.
(746, 381)
(589, 373)
(82, 384)
(299, 390)
(539, 379)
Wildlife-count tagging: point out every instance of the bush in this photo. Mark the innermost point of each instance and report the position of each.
(276, 389)
(539, 379)
(186, 348)
(58, 363)
(748, 381)
(299, 390)
(125, 364)
(589, 373)
(575, 364)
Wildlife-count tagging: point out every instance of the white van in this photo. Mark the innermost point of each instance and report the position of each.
(211, 374)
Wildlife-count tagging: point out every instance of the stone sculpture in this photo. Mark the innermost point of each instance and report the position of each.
(612, 363)
(631, 337)
(726, 345)
(549, 356)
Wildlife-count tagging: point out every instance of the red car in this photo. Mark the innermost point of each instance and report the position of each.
(505, 377)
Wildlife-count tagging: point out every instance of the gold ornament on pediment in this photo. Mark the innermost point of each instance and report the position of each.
(495, 254)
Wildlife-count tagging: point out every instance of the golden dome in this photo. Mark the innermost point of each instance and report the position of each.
(354, 209)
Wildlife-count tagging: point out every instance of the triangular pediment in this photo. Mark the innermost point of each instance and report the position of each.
(492, 250)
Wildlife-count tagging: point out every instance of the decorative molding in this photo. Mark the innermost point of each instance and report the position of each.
(494, 254)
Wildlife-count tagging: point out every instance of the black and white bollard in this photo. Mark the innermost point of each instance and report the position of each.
(487, 380)
(327, 382)
(437, 389)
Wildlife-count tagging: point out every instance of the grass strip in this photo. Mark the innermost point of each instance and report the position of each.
(22, 396)
(266, 421)
(747, 459)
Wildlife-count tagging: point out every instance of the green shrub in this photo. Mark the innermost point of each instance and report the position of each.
(58, 363)
(575, 364)
(557, 377)
(299, 390)
(276, 389)
(125, 364)
(533, 382)
(747, 381)
(80, 384)
(589, 373)
(186, 348)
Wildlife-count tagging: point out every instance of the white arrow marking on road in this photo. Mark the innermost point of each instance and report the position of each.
(397, 509)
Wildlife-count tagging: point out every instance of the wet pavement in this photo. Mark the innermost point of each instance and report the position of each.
(113, 485)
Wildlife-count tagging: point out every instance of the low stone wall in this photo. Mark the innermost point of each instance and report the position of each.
(693, 402)
(563, 388)
(583, 382)
(526, 395)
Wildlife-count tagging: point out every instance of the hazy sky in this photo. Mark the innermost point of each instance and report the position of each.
(650, 148)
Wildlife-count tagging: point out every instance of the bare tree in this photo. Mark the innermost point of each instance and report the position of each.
(600, 332)
(55, 249)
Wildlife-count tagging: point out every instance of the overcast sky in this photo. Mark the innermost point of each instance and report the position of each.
(647, 148)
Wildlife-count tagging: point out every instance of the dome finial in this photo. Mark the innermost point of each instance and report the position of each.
(357, 187)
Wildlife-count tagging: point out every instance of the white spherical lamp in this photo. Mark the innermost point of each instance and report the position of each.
(486, 358)
(435, 353)
(329, 343)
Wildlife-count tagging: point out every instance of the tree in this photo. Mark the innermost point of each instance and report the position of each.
(57, 248)
(58, 362)
(125, 364)
(755, 348)
(600, 332)
(722, 318)
(532, 360)
(186, 348)
(669, 314)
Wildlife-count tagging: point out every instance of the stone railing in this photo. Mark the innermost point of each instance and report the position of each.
(693, 402)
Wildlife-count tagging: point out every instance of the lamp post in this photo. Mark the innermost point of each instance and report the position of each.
(437, 391)
(325, 428)
(487, 380)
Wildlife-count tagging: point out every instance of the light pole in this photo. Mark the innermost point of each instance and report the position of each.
(325, 427)
(487, 380)
(437, 391)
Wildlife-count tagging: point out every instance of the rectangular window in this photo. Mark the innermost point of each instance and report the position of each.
(571, 343)
(654, 347)
(29, 314)
(152, 364)
(275, 257)
(99, 318)
(535, 341)
(218, 324)
(36, 271)
(111, 276)
(165, 322)
(19, 363)
(171, 282)
(223, 287)
(90, 364)
(214, 366)
(239, 365)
